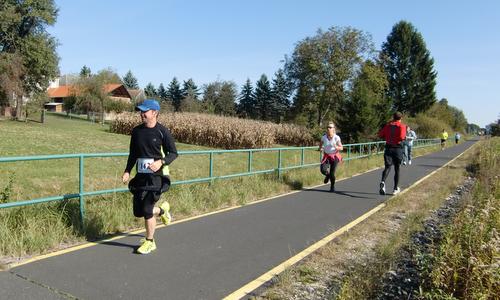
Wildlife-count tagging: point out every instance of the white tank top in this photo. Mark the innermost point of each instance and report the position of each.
(329, 145)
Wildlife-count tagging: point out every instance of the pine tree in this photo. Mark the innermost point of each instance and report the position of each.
(130, 81)
(162, 93)
(174, 93)
(190, 89)
(410, 70)
(150, 90)
(246, 106)
(85, 72)
(280, 96)
(264, 99)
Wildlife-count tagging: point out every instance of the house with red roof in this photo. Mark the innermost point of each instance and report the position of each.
(115, 91)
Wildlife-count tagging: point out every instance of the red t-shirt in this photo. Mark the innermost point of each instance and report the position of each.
(393, 132)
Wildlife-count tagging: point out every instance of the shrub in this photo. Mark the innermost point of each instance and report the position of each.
(428, 127)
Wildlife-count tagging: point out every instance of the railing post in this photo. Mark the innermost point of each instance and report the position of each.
(80, 189)
(302, 157)
(211, 168)
(279, 164)
(348, 153)
(250, 156)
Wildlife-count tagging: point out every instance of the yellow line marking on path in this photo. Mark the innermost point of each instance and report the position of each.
(266, 277)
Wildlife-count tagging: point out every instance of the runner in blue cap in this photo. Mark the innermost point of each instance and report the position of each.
(152, 149)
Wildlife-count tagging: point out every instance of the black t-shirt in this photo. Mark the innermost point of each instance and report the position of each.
(148, 142)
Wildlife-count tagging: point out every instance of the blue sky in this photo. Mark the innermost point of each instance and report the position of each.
(235, 40)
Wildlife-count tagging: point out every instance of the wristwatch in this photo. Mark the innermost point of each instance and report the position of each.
(163, 162)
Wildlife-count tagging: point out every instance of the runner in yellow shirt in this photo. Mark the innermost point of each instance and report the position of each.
(444, 137)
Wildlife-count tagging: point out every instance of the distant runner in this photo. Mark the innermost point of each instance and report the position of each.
(457, 137)
(408, 144)
(444, 137)
(331, 146)
(394, 133)
(152, 149)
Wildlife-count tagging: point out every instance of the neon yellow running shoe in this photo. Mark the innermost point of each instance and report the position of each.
(147, 247)
(166, 218)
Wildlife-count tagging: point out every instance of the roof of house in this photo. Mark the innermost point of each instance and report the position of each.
(68, 90)
(134, 92)
(59, 92)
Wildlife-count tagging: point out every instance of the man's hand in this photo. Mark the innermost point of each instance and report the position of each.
(125, 177)
(156, 165)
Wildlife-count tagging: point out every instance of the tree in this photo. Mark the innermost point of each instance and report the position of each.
(190, 104)
(473, 128)
(130, 81)
(190, 93)
(264, 99)
(162, 93)
(108, 76)
(90, 92)
(85, 72)
(225, 104)
(210, 95)
(494, 128)
(219, 98)
(459, 121)
(451, 115)
(321, 68)
(24, 39)
(174, 93)
(247, 107)
(11, 72)
(280, 96)
(150, 90)
(410, 70)
(366, 108)
(189, 89)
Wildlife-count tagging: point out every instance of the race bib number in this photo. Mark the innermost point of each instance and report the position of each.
(143, 165)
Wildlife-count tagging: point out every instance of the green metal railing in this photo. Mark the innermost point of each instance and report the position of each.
(351, 151)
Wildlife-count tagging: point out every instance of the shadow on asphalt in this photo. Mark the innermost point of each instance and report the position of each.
(119, 244)
(345, 193)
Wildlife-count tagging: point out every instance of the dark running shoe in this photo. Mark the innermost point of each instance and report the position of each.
(327, 178)
(382, 188)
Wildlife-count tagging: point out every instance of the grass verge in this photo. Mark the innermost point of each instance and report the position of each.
(466, 265)
(351, 266)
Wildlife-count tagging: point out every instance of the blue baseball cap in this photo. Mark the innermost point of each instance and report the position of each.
(148, 104)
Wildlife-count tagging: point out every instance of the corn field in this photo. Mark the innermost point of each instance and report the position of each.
(221, 132)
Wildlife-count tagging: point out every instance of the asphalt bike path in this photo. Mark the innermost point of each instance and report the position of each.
(212, 256)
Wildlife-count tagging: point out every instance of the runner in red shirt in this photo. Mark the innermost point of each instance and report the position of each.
(394, 133)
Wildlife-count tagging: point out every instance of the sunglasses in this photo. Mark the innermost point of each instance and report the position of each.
(330, 127)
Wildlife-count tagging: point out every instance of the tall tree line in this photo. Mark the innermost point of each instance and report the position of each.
(335, 75)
